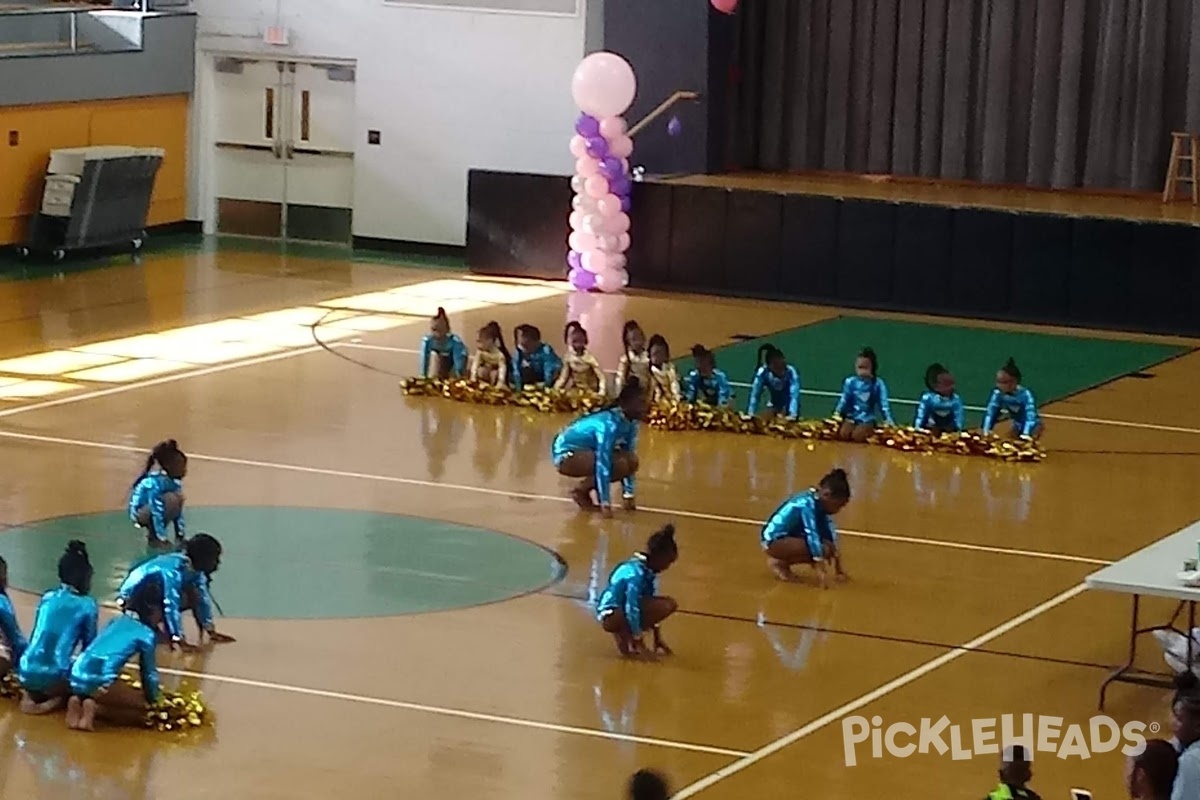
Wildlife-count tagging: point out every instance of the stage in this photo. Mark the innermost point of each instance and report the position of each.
(1097, 260)
(1105, 205)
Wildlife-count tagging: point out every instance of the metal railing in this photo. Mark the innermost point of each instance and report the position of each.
(662, 108)
(68, 30)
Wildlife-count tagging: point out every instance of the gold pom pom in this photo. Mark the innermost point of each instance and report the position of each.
(670, 416)
(964, 443)
(178, 710)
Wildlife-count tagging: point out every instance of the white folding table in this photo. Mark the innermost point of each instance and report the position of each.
(1151, 572)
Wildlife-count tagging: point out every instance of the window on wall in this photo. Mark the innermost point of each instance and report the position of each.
(563, 7)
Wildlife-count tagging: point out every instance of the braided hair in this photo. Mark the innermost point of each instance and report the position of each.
(661, 549)
(837, 483)
(1011, 369)
(648, 785)
(932, 373)
(869, 354)
(658, 340)
(492, 331)
(629, 327)
(75, 567)
(532, 331)
(767, 353)
(165, 454)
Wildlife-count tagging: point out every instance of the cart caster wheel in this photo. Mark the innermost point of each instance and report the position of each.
(137, 244)
(58, 255)
(23, 252)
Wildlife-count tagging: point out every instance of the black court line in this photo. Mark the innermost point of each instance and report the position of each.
(870, 636)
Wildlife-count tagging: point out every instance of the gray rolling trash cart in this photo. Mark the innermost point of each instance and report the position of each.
(95, 197)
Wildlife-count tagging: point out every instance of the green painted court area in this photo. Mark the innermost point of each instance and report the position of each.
(1054, 366)
(305, 563)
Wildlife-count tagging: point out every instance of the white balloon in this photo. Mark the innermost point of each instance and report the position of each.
(577, 184)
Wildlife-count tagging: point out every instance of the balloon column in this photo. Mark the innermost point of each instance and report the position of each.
(603, 87)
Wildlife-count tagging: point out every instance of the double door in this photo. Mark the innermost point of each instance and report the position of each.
(284, 149)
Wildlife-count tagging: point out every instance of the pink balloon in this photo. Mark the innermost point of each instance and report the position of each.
(612, 127)
(620, 223)
(587, 166)
(725, 6)
(623, 242)
(603, 85)
(581, 242)
(617, 262)
(581, 202)
(621, 147)
(576, 221)
(611, 280)
(595, 261)
(607, 243)
(609, 207)
(578, 146)
(597, 187)
(593, 223)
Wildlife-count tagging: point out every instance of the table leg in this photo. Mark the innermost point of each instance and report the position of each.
(1133, 636)
(1191, 627)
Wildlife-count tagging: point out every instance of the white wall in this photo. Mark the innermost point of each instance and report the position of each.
(448, 89)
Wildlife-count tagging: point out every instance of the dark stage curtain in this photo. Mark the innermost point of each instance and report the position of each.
(1049, 93)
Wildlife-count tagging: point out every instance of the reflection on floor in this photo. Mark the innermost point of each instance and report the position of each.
(239, 338)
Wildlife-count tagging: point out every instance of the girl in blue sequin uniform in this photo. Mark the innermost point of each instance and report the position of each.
(443, 354)
(65, 622)
(156, 499)
(1012, 400)
(95, 674)
(781, 381)
(534, 363)
(706, 385)
(941, 410)
(630, 604)
(185, 578)
(801, 531)
(864, 402)
(10, 630)
(600, 449)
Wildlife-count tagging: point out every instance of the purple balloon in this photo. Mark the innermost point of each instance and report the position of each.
(674, 127)
(575, 260)
(626, 204)
(587, 126)
(597, 147)
(620, 186)
(582, 280)
(611, 169)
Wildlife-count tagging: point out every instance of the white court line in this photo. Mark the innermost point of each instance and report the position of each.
(129, 387)
(454, 712)
(337, 473)
(870, 697)
(1149, 426)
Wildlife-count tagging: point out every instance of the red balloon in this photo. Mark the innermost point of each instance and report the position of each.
(725, 6)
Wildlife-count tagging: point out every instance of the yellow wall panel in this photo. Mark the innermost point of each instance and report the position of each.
(39, 129)
(138, 121)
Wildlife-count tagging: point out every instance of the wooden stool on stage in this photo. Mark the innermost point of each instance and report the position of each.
(1185, 147)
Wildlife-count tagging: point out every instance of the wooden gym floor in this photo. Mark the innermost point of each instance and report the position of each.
(965, 600)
